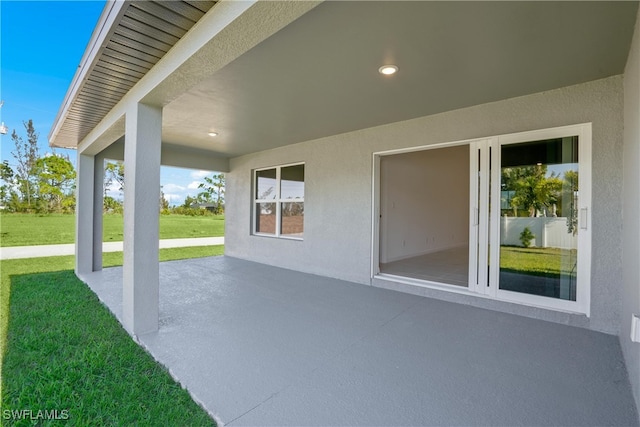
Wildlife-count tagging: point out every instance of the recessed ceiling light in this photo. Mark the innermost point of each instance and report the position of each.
(213, 133)
(388, 70)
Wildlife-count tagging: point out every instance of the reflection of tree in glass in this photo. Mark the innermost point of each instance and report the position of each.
(292, 209)
(266, 194)
(571, 189)
(533, 189)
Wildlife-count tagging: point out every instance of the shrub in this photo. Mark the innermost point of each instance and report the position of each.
(526, 237)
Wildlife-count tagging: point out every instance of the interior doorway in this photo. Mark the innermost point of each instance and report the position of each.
(424, 215)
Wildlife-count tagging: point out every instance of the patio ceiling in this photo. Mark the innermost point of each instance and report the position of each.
(318, 76)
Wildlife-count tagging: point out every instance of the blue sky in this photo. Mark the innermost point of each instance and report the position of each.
(41, 45)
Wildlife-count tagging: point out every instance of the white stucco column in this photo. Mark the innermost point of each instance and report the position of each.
(98, 204)
(85, 214)
(141, 277)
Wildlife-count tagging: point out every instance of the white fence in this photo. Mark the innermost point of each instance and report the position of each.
(549, 232)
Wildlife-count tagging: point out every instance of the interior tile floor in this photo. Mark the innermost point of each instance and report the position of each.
(259, 345)
(450, 266)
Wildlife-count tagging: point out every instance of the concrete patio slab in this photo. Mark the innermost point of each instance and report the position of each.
(258, 345)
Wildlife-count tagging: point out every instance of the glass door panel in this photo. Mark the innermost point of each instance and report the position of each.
(539, 218)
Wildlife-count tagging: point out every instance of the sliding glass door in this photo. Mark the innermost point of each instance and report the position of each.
(539, 219)
(539, 199)
(507, 217)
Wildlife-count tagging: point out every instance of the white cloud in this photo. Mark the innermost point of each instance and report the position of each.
(174, 198)
(113, 190)
(199, 174)
(179, 183)
(172, 188)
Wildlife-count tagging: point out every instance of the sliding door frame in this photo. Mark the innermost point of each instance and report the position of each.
(583, 283)
(484, 218)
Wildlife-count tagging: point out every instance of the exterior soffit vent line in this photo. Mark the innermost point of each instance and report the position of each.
(113, 12)
(102, 68)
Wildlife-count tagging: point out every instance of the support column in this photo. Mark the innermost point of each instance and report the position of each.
(98, 205)
(141, 271)
(85, 214)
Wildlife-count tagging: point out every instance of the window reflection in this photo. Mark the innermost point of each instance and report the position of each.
(266, 218)
(292, 219)
(539, 214)
(279, 201)
(266, 184)
(292, 182)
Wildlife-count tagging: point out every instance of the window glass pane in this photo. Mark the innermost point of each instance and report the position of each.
(266, 218)
(266, 184)
(292, 182)
(292, 219)
(539, 218)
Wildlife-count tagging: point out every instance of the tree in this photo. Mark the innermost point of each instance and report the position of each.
(112, 205)
(164, 203)
(26, 154)
(113, 171)
(6, 189)
(189, 202)
(213, 191)
(56, 180)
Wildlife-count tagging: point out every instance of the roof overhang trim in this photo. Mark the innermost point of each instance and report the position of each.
(111, 14)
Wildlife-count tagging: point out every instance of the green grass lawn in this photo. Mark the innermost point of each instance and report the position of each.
(32, 229)
(549, 262)
(61, 349)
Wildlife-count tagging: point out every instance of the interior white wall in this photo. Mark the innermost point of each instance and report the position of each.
(424, 202)
(339, 175)
(631, 212)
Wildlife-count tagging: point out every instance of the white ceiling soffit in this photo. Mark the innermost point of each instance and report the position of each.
(129, 39)
(318, 76)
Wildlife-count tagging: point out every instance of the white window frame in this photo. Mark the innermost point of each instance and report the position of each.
(277, 200)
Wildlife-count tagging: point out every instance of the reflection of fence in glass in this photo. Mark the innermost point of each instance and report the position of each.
(549, 232)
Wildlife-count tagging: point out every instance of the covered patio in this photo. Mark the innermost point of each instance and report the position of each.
(260, 345)
(253, 88)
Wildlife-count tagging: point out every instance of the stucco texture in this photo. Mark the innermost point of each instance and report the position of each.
(338, 186)
(631, 211)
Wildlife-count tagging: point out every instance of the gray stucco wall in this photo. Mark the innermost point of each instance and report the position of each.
(338, 194)
(631, 212)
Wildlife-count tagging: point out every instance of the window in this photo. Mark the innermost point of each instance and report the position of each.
(279, 201)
